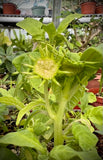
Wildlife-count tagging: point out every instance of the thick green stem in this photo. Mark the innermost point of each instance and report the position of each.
(48, 107)
(58, 139)
(58, 136)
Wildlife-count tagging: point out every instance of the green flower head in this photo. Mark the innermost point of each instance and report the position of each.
(46, 68)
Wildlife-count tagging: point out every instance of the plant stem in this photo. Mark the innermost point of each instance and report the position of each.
(58, 139)
(58, 136)
(48, 107)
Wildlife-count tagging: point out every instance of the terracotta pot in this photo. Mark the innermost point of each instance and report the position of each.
(9, 8)
(99, 70)
(18, 11)
(77, 108)
(94, 90)
(88, 8)
(100, 100)
(99, 9)
(93, 84)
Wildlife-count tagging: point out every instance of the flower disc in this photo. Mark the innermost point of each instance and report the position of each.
(46, 68)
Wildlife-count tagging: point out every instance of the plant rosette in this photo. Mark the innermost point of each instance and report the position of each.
(66, 74)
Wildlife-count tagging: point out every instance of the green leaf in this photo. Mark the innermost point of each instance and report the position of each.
(73, 56)
(22, 138)
(26, 109)
(24, 59)
(19, 60)
(12, 101)
(88, 97)
(27, 154)
(78, 44)
(57, 91)
(65, 22)
(15, 34)
(10, 67)
(4, 92)
(91, 55)
(89, 155)
(50, 29)
(95, 115)
(86, 139)
(59, 39)
(2, 51)
(41, 129)
(76, 97)
(48, 134)
(33, 27)
(7, 41)
(91, 97)
(62, 153)
(35, 83)
(92, 58)
(9, 50)
(71, 45)
(100, 49)
(100, 129)
(3, 111)
(10, 57)
(43, 157)
(72, 67)
(73, 90)
(66, 153)
(7, 154)
(4, 39)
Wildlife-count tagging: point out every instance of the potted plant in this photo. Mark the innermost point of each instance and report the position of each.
(9, 8)
(99, 7)
(52, 130)
(88, 6)
(38, 11)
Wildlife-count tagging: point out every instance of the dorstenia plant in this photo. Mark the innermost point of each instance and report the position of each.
(60, 78)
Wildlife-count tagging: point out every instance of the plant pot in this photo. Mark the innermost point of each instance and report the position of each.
(100, 100)
(88, 8)
(50, 12)
(77, 108)
(93, 84)
(99, 70)
(94, 90)
(99, 9)
(38, 11)
(18, 11)
(9, 8)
